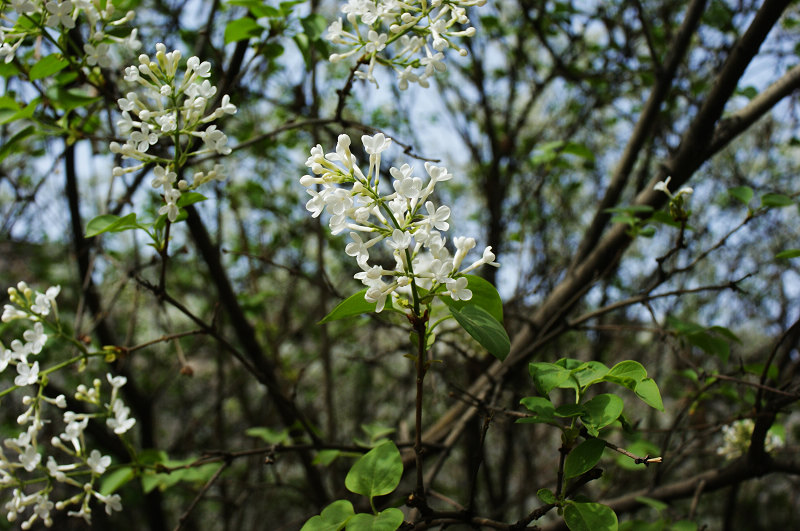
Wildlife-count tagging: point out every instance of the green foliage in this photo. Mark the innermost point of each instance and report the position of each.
(590, 517)
(375, 473)
(484, 328)
(353, 305)
(583, 457)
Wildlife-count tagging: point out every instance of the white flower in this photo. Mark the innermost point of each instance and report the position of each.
(143, 139)
(23, 7)
(375, 144)
(97, 462)
(662, 186)
(10, 313)
(28, 374)
(458, 289)
(116, 381)
(30, 458)
(36, 338)
(121, 422)
(162, 177)
(437, 217)
(216, 140)
(60, 14)
(97, 55)
(112, 502)
(400, 240)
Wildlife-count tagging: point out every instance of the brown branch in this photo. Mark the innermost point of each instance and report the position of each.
(642, 130)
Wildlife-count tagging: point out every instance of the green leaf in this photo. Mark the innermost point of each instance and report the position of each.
(110, 223)
(590, 517)
(776, 200)
(47, 66)
(387, 520)
(547, 496)
(115, 479)
(626, 373)
(579, 150)
(268, 435)
(241, 29)
(258, 8)
(602, 410)
(355, 304)
(190, 198)
(69, 99)
(18, 137)
(742, 193)
(326, 457)
(542, 409)
(583, 457)
(484, 295)
(314, 25)
(788, 253)
(711, 344)
(589, 372)
(629, 369)
(485, 329)
(658, 505)
(548, 376)
(377, 472)
(24, 113)
(376, 432)
(648, 391)
(333, 517)
(569, 410)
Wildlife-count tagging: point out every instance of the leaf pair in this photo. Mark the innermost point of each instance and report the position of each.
(376, 473)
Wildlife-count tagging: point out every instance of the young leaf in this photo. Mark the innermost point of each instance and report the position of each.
(602, 410)
(485, 329)
(377, 472)
(626, 373)
(387, 520)
(190, 198)
(19, 136)
(548, 376)
(569, 410)
(47, 66)
(110, 223)
(241, 29)
(541, 408)
(484, 295)
(333, 517)
(788, 253)
(647, 390)
(546, 495)
(583, 457)
(269, 435)
(590, 517)
(355, 304)
(742, 193)
(114, 480)
(776, 200)
(589, 372)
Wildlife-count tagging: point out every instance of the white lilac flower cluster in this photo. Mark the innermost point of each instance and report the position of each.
(406, 221)
(29, 467)
(418, 33)
(736, 439)
(99, 19)
(173, 107)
